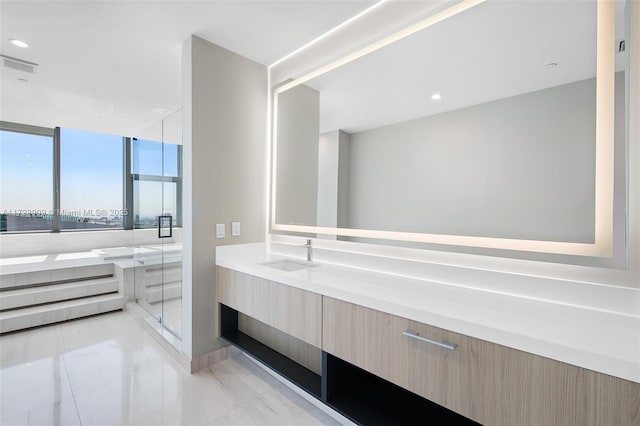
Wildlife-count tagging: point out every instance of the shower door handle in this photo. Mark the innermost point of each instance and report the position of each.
(161, 221)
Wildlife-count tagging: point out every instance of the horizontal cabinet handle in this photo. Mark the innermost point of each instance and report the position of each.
(414, 335)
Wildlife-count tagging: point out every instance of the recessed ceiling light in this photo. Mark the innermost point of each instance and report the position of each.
(18, 43)
(436, 96)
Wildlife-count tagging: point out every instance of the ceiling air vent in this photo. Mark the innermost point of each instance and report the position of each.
(18, 64)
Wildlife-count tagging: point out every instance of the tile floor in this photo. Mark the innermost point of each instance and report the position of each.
(106, 370)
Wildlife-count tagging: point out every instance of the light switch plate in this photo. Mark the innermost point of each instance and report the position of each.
(235, 229)
(220, 230)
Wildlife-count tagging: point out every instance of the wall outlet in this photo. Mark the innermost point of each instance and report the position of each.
(235, 229)
(220, 230)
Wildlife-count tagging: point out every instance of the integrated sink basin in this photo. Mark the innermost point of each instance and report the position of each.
(288, 265)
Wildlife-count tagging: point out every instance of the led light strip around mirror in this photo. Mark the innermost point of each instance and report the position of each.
(604, 167)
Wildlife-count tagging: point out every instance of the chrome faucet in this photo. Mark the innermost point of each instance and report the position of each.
(309, 250)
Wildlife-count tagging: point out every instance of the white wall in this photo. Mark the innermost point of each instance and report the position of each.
(224, 147)
(298, 112)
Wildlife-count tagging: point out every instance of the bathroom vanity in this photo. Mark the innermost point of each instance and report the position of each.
(492, 358)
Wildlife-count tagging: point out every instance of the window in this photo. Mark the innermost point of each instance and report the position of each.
(91, 190)
(64, 180)
(26, 181)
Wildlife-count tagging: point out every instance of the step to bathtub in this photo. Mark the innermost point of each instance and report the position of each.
(154, 294)
(14, 278)
(24, 297)
(148, 254)
(159, 276)
(18, 319)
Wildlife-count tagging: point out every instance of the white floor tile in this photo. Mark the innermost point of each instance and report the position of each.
(241, 416)
(62, 413)
(28, 386)
(30, 345)
(241, 382)
(106, 370)
(270, 408)
(124, 402)
(299, 405)
(203, 397)
(116, 326)
(103, 363)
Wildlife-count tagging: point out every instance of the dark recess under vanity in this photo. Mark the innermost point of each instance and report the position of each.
(296, 373)
(355, 393)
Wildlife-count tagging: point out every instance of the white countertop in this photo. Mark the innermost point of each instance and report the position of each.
(598, 340)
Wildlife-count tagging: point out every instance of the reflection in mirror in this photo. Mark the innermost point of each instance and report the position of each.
(297, 171)
(481, 125)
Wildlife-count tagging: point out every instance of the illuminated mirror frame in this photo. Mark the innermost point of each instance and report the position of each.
(604, 167)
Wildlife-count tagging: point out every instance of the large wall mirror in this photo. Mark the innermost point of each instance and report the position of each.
(488, 124)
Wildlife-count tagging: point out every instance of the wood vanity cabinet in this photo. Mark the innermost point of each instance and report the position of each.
(486, 382)
(289, 309)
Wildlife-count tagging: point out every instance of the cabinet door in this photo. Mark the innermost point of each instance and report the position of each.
(489, 383)
(289, 309)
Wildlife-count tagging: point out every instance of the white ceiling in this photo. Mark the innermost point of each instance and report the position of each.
(114, 66)
(495, 50)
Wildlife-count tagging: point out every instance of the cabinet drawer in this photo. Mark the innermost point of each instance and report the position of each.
(489, 383)
(289, 309)
(375, 341)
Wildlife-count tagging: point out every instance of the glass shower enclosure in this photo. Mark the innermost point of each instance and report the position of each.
(156, 171)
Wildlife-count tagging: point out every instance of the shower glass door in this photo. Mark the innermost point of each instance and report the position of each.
(156, 173)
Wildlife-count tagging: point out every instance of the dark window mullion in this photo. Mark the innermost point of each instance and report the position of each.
(127, 177)
(56, 180)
